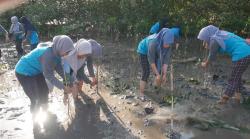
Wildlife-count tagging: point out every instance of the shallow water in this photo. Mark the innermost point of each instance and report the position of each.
(120, 61)
(198, 101)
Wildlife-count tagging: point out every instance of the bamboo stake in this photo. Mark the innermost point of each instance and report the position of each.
(172, 90)
(205, 75)
(97, 74)
(67, 98)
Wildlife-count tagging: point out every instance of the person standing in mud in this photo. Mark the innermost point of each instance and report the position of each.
(159, 52)
(32, 69)
(16, 33)
(155, 51)
(3, 30)
(30, 33)
(158, 26)
(96, 53)
(85, 52)
(219, 41)
(142, 51)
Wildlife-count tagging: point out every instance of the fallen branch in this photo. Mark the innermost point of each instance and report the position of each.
(204, 124)
(191, 59)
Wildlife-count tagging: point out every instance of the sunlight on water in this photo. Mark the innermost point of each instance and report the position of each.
(41, 118)
(64, 112)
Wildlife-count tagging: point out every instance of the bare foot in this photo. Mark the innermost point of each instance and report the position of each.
(223, 100)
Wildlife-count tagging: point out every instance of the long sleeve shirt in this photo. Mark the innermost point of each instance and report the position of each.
(41, 60)
(213, 50)
(51, 63)
(154, 55)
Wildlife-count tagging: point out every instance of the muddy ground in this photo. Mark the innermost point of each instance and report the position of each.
(114, 111)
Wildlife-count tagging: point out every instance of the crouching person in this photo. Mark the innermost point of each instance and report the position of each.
(219, 41)
(85, 51)
(159, 53)
(32, 69)
(142, 51)
(155, 51)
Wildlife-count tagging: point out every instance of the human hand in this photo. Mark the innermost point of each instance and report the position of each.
(164, 78)
(79, 86)
(94, 82)
(158, 80)
(204, 64)
(248, 41)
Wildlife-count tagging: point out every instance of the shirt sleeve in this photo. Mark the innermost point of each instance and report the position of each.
(48, 67)
(22, 30)
(167, 57)
(214, 48)
(59, 70)
(82, 76)
(90, 66)
(66, 67)
(11, 29)
(151, 52)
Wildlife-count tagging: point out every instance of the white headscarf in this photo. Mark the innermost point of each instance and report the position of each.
(210, 33)
(82, 47)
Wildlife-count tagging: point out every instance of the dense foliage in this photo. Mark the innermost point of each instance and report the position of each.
(124, 18)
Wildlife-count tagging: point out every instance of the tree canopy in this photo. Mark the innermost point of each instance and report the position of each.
(133, 17)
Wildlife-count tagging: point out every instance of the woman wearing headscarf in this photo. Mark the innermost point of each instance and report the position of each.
(32, 69)
(159, 52)
(16, 33)
(155, 51)
(95, 55)
(158, 26)
(142, 50)
(30, 32)
(85, 52)
(219, 41)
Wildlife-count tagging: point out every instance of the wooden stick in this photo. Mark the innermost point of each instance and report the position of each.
(67, 98)
(172, 97)
(205, 72)
(97, 74)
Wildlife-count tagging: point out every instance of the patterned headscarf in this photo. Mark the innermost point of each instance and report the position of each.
(211, 33)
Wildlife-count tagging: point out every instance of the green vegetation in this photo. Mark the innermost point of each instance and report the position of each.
(130, 18)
